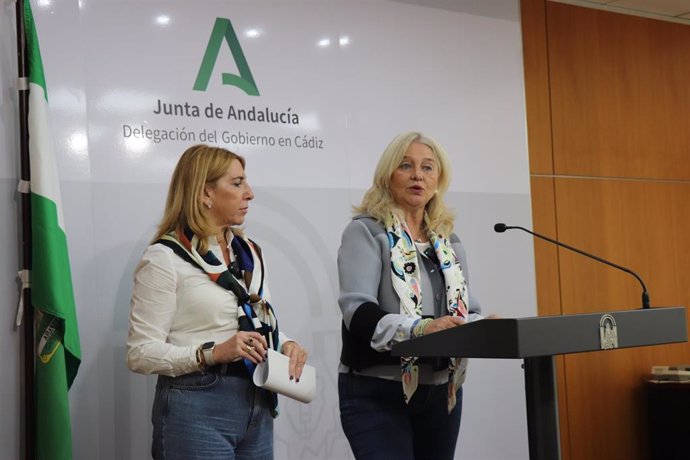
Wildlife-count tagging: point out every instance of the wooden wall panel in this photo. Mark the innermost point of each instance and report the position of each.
(619, 94)
(645, 226)
(546, 254)
(608, 98)
(537, 93)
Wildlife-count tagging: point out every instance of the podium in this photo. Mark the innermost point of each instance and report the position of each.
(536, 340)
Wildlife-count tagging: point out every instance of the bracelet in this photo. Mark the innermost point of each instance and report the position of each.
(419, 326)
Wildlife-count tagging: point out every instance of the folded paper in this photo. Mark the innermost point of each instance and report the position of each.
(274, 375)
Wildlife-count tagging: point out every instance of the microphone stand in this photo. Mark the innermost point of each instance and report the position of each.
(500, 228)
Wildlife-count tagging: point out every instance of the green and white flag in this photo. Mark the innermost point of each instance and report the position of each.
(58, 350)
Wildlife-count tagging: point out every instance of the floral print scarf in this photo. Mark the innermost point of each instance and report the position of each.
(407, 284)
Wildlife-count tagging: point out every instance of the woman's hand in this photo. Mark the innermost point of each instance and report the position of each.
(444, 322)
(297, 355)
(244, 344)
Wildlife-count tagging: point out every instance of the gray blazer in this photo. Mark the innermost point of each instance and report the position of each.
(369, 304)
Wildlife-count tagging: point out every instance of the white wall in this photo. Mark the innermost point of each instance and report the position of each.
(11, 396)
(455, 74)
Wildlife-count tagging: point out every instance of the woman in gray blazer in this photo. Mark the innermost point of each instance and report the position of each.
(403, 274)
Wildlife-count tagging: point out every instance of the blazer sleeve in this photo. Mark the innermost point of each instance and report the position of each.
(360, 263)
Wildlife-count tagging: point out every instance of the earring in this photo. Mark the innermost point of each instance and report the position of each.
(209, 204)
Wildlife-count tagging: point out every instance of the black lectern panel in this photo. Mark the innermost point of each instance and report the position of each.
(537, 340)
(549, 335)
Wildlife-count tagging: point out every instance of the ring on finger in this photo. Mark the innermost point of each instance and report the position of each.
(250, 341)
(249, 348)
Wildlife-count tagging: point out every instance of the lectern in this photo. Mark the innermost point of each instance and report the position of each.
(536, 340)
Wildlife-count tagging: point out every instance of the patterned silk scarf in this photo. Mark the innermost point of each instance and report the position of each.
(253, 312)
(407, 284)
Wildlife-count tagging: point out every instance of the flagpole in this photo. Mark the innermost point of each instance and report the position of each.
(28, 319)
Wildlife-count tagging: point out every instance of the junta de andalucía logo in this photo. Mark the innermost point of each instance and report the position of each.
(224, 32)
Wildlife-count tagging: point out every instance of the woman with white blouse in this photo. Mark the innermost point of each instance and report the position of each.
(201, 318)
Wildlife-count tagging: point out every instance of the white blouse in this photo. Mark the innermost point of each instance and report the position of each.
(175, 308)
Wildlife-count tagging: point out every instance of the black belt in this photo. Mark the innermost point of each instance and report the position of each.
(237, 369)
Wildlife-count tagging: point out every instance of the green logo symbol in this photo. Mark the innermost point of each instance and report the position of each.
(222, 30)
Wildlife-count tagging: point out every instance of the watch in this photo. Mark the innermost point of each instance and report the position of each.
(207, 352)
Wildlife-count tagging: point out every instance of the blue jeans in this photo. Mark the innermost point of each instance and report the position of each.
(380, 425)
(210, 416)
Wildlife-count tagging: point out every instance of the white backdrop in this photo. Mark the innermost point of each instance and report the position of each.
(354, 73)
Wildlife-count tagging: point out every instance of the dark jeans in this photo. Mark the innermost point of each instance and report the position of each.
(379, 425)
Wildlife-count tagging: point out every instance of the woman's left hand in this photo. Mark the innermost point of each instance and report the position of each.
(297, 355)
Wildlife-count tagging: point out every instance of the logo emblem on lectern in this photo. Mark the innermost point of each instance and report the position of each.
(608, 332)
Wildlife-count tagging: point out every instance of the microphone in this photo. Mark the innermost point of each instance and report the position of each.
(500, 228)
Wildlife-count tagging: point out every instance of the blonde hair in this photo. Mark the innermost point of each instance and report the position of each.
(378, 201)
(199, 165)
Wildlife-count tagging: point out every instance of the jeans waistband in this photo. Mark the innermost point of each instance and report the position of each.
(237, 369)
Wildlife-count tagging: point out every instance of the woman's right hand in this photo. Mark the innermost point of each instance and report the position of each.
(444, 322)
(244, 344)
